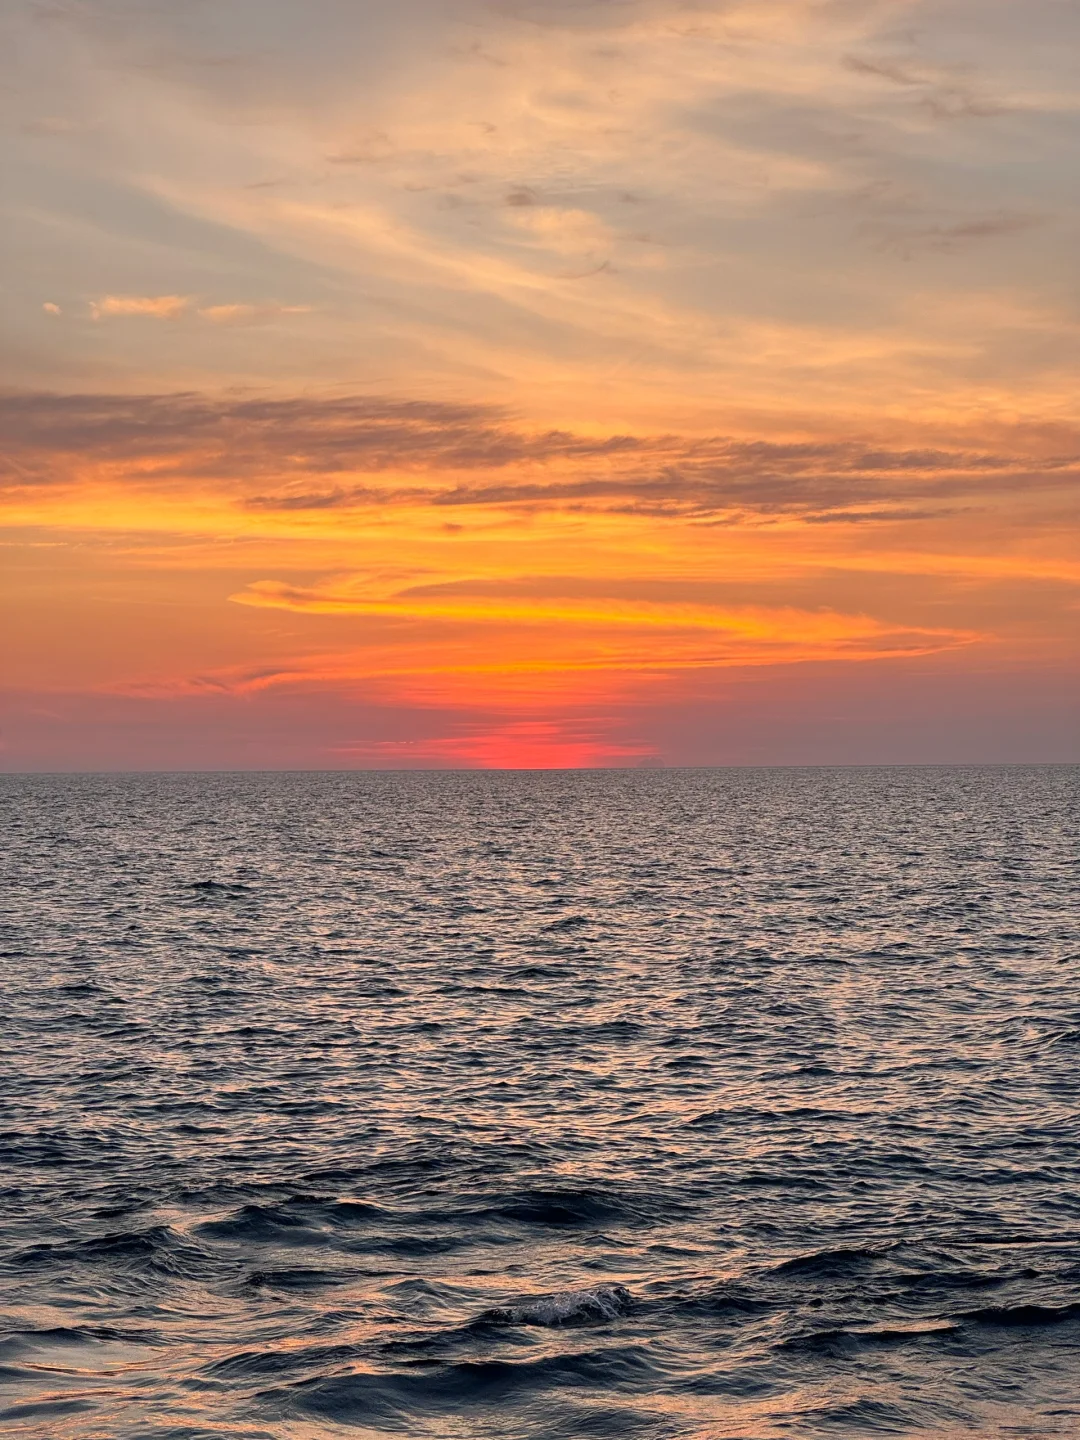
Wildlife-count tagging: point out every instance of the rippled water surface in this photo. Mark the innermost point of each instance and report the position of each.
(635, 1104)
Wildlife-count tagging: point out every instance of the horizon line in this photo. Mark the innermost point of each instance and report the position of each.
(567, 769)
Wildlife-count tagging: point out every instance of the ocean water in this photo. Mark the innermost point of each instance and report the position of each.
(523, 1105)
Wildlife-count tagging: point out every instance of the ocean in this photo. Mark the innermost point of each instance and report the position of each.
(541, 1105)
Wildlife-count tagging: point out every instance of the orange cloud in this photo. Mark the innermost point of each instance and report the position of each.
(744, 634)
(238, 314)
(154, 307)
(314, 454)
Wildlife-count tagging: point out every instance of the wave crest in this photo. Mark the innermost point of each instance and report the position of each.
(565, 1307)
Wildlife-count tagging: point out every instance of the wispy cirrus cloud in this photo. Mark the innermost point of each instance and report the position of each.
(947, 92)
(506, 234)
(736, 634)
(241, 314)
(173, 307)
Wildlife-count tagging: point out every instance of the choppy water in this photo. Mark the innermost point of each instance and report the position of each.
(692, 1103)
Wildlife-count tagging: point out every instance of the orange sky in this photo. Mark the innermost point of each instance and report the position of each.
(556, 383)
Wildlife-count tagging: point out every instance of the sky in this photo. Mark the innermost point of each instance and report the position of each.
(538, 383)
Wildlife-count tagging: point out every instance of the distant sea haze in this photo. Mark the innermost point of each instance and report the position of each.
(729, 1104)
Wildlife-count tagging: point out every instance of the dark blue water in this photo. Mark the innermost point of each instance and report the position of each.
(693, 1103)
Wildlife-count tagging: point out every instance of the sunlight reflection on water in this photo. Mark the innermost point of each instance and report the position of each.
(339, 1104)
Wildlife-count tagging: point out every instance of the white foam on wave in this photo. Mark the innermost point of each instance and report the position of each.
(566, 1307)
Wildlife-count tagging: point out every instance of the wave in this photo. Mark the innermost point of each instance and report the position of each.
(568, 922)
(52, 1148)
(45, 1410)
(557, 1207)
(350, 1226)
(1023, 1315)
(862, 1417)
(261, 1223)
(565, 1307)
(248, 1364)
(157, 1249)
(296, 1279)
(222, 885)
(929, 1281)
(74, 1336)
(583, 1206)
(394, 1397)
(841, 1339)
(312, 1220)
(827, 1264)
(718, 1303)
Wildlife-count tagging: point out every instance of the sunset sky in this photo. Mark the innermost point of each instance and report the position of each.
(539, 382)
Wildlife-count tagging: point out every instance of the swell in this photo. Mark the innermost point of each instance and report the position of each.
(442, 1391)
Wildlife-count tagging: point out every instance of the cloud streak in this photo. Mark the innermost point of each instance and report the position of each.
(174, 307)
(147, 307)
(342, 454)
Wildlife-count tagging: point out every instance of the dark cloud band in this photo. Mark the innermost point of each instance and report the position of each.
(312, 453)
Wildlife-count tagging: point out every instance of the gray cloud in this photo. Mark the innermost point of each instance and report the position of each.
(296, 454)
(945, 95)
(244, 437)
(950, 236)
